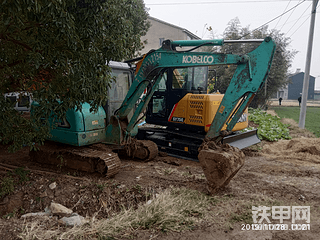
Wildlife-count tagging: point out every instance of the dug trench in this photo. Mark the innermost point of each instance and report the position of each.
(283, 173)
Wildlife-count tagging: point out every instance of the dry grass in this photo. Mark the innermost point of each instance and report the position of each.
(172, 210)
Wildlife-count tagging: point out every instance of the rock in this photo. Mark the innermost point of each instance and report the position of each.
(46, 212)
(37, 214)
(74, 220)
(149, 202)
(44, 194)
(57, 208)
(53, 185)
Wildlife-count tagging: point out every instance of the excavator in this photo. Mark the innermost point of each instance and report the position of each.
(190, 121)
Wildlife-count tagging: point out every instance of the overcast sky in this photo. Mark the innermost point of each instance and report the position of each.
(197, 15)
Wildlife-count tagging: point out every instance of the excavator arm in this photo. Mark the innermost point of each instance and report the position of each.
(251, 73)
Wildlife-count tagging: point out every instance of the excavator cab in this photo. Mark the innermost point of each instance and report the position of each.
(174, 84)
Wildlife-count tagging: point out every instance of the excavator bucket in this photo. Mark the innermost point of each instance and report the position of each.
(220, 163)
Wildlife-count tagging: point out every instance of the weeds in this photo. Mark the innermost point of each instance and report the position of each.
(8, 183)
(101, 186)
(60, 157)
(9, 215)
(138, 187)
(13, 213)
(23, 174)
(242, 217)
(7, 186)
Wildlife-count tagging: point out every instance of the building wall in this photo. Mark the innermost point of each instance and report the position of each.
(283, 93)
(160, 30)
(296, 85)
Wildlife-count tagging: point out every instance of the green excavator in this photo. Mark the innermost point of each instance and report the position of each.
(169, 85)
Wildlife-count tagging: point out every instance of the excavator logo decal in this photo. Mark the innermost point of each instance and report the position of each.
(207, 59)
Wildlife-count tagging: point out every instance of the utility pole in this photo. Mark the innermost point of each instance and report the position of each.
(305, 88)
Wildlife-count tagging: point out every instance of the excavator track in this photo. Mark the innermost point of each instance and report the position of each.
(95, 158)
(143, 149)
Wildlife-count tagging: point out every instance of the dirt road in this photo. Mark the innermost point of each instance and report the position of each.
(293, 103)
(284, 173)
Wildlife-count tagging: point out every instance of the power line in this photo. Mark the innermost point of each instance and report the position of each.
(281, 16)
(299, 27)
(298, 19)
(288, 17)
(295, 20)
(302, 24)
(214, 2)
(273, 19)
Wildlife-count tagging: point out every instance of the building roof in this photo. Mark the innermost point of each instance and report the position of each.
(296, 73)
(183, 29)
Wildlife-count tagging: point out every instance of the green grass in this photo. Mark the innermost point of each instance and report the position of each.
(312, 122)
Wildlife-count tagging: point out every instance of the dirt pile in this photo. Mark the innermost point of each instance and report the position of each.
(301, 150)
(220, 164)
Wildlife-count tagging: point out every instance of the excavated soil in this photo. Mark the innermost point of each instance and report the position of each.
(286, 171)
(220, 164)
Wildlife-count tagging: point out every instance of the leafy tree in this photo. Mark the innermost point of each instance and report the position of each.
(277, 77)
(58, 51)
